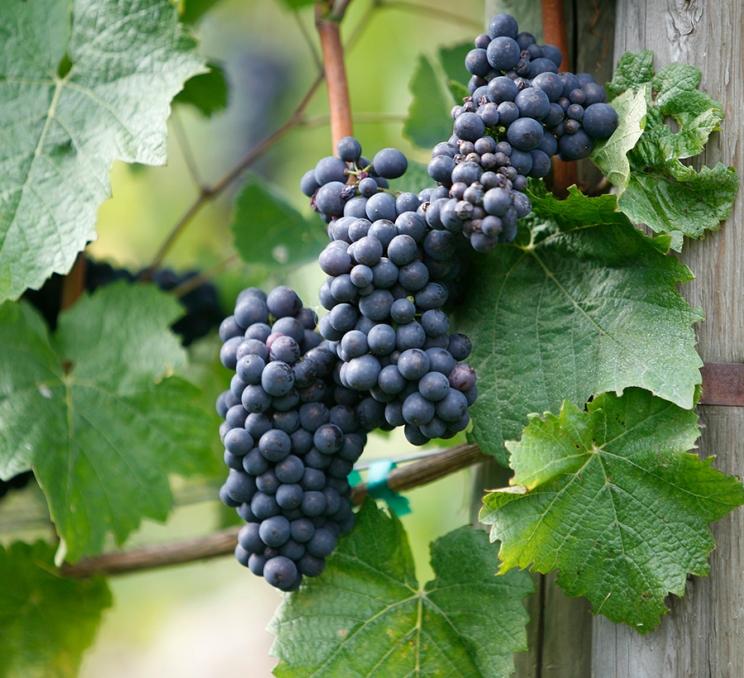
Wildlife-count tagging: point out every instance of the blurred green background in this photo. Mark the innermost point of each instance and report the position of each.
(210, 619)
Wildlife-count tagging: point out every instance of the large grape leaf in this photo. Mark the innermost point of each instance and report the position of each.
(366, 615)
(47, 621)
(93, 411)
(665, 118)
(268, 230)
(611, 498)
(582, 304)
(82, 84)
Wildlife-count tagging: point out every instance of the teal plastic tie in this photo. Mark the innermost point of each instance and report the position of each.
(377, 487)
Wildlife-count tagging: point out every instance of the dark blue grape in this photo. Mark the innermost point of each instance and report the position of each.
(264, 505)
(289, 470)
(381, 339)
(376, 306)
(322, 543)
(575, 146)
(313, 479)
(503, 25)
(381, 206)
(349, 149)
(390, 163)
(452, 407)
(362, 372)
(275, 445)
(540, 164)
(440, 169)
(328, 199)
(469, 126)
(417, 410)
(356, 207)
(434, 386)
(476, 61)
(277, 379)
(600, 120)
(311, 566)
(384, 230)
(413, 364)
(254, 463)
(410, 335)
(460, 346)
(368, 187)
(525, 134)
(368, 250)
(267, 482)
(503, 53)
(330, 169)
(238, 441)
(309, 184)
(281, 572)
(407, 202)
(314, 502)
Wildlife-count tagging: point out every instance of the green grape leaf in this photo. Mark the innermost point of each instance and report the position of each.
(207, 92)
(366, 615)
(269, 231)
(695, 114)
(686, 204)
(95, 413)
(576, 210)
(611, 156)
(643, 158)
(428, 120)
(563, 314)
(633, 70)
(82, 83)
(47, 621)
(611, 498)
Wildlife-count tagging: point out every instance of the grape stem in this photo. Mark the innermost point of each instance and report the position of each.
(554, 33)
(73, 284)
(223, 542)
(329, 31)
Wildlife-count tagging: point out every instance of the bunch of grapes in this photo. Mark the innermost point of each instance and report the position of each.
(520, 112)
(202, 309)
(391, 268)
(289, 441)
(301, 402)
(350, 185)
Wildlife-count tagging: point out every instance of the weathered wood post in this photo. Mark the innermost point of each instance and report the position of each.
(704, 633)
(703, 636)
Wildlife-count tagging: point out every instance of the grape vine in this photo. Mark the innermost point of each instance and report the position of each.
(466, 296)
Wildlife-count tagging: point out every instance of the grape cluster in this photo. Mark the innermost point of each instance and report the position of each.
(350, 185)
(202, 309)
(520, 112)
(291, 437)
(390, 274)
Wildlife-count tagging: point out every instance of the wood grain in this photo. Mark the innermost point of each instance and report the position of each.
(704, 634)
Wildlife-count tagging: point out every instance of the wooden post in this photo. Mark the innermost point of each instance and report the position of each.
(704, 633)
